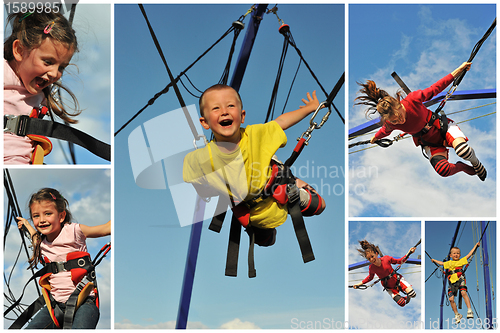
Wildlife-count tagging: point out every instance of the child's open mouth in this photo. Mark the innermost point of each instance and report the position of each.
(41, 83)
(226, 123)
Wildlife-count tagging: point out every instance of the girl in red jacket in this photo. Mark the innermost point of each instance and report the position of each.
(411, 116)
(392, 281)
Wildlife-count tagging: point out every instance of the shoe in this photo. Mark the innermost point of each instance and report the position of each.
(458, 317)
(470, 314)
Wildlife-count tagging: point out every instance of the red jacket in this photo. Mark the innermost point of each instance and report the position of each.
(417, 115)
(383, 270)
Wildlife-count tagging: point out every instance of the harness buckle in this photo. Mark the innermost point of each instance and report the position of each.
(292, 192)
(15, 124)
(60, 266)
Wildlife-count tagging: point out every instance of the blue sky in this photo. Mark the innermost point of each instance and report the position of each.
(150, 238)
(422, 43)
(438, 237)
(90, 80)
(89, 195)
(374, 308)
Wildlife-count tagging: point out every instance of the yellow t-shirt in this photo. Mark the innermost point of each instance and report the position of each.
(241, 174)
(452, 264)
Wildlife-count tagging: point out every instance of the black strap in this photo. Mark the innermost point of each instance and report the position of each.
(28, 313)
(217, 220)
(61, 131)
(233, 248)
(300, 229)
(251, 262)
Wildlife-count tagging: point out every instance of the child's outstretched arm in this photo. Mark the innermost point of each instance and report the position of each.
(473, 249)
(96, 231)
(437, 262)
(287, 120)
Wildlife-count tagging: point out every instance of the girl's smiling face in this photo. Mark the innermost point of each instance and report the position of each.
(42, 66)
(373, 258)
(47, 219)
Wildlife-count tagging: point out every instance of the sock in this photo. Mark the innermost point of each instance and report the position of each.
(446, 169)
(464, 151)
(400, 300)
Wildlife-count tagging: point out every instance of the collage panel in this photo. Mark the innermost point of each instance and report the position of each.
(384, 275)
(461, 274)
(57, 83)
(62, 216)
(185, 262)
(419, 46)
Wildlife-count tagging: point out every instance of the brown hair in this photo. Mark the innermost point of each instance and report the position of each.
(218, 86)
(61, 204)
(29, 30)
(367, 247)
(378, 100)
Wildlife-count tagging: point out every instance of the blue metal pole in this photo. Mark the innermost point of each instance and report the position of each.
(194, 240)
(487, 282)
(246, 47)
(192, 257)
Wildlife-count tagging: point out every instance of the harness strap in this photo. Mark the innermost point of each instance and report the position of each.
(233, 248)
(28, 313)
(23, 125)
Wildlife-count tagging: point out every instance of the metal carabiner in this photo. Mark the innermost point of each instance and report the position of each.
(323, 120)
(314, 125)
(202, 136)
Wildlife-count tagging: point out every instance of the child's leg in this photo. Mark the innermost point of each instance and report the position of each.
(311, 203)
(465, 296)
(407, 288)
(453, 304)
(457, 139)
(87, 315)
(439, 161)
(400, 300)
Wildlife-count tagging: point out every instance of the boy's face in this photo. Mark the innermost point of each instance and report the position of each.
(222, 114)
(455, 254)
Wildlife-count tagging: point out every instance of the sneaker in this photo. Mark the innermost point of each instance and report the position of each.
(470, 314)
(458, 317)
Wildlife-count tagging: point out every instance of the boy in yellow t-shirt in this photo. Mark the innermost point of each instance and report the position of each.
(456, 279)
(237, 163)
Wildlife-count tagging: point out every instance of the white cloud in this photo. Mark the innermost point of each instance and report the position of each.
(238, 324)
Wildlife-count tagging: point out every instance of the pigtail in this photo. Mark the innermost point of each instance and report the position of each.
(378, 100)
(367, 247)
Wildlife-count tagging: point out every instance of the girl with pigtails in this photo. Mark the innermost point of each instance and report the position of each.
(55, 239)
(393, 282)
(411, 116)
(36, 54)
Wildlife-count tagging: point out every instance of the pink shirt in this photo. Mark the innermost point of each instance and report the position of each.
(17, 101)
(70, 239)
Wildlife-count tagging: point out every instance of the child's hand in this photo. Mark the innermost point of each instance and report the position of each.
(357, 285)
(22, 222)
(412, 250)
(311, 103)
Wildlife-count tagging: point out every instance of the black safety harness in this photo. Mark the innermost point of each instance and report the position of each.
(83, 274)
(23, 125)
